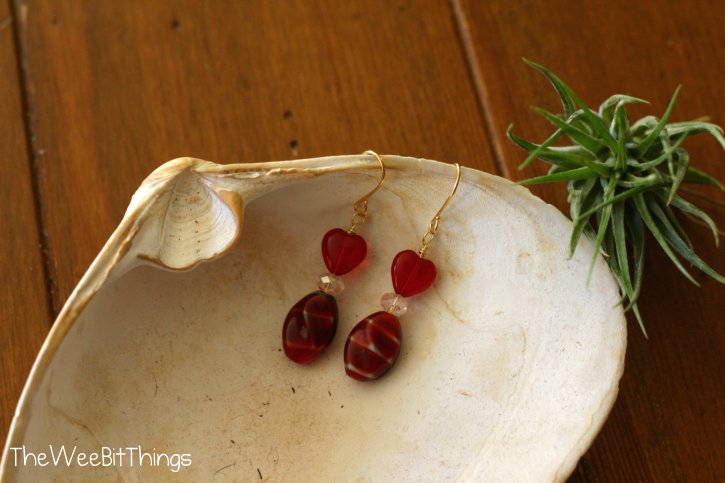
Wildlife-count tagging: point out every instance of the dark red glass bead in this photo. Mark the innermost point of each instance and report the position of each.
(343, 251)
(373, 346)
(310, 327)
(412, 274)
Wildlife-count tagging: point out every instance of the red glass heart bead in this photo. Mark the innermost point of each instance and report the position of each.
(372, 346)
(343, 251)
(412, 274)
(310, 327)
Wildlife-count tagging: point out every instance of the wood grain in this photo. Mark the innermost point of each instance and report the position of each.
(121, 87)
(116, 88)
(667, 424)
(24, 309)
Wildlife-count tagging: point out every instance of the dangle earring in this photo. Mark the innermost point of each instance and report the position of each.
(374, 343)
(311, 323)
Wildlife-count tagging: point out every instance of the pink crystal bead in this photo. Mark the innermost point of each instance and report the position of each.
(330, 284)
(394, 304)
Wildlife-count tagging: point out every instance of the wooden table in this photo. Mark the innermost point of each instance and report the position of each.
(96, 94)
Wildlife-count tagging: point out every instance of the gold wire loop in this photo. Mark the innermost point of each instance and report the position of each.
(360, 207)
(433, 227)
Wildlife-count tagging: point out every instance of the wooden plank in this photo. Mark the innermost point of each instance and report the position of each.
(667, 423)
(121, 87)
(24, 307)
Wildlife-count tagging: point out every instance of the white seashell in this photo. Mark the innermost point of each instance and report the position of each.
(508, 369)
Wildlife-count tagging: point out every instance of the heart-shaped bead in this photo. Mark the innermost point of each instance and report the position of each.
(310, 327)
(343, 251)
(411, 273)
(372, 346)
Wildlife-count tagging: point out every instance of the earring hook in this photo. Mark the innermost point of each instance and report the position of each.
(361, 206)
(433, 228)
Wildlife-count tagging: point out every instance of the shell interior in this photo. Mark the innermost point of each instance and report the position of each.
(508, 368)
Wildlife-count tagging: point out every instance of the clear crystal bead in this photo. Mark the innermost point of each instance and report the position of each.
(331, 284)
(394, 304)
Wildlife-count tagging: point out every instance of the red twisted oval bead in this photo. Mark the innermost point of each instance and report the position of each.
(373, 346)
(310, 327)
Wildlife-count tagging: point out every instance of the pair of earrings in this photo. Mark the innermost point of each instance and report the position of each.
(374, 343)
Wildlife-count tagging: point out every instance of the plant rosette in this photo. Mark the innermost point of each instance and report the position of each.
(623, 179)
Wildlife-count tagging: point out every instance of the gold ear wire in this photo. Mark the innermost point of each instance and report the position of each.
(433, 228)
(360, 214)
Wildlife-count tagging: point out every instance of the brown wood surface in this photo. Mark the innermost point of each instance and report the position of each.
(24, 310)
(113, 89)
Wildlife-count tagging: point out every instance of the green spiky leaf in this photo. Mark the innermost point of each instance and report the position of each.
(559, 86)
(624, 177)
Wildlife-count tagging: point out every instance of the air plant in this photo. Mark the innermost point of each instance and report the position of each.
(623, 179)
